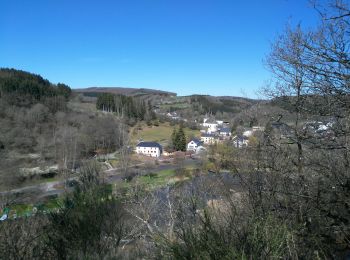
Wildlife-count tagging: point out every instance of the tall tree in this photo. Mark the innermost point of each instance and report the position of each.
(180, 140)
(286, 63)
(173, 139)
(312, 72)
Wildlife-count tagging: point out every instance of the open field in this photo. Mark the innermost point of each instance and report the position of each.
(27, 210)
(162, 178)
(175, 105)
(155, 179)
(47, 205)
(161, 133)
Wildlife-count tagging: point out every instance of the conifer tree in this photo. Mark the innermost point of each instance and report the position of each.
(180, 143)
(173, 139)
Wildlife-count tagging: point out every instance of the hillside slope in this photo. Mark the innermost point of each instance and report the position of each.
(94, 91)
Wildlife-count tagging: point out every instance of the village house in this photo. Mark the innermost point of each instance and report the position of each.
(319, 128)
(225, 132)
(258, 128)
(201, 149)
(194, 145)
(173, 116)
(240, 141)
(208, 138)
(248, 133)
(213, 126)
(282, 130)
(152, 149)
(210, 125)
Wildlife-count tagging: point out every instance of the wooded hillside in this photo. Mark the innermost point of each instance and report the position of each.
(23, 89)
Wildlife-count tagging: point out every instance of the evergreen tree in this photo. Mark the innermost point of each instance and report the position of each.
(181, 140)
(63, 90)
(173, 139)
(178, 139)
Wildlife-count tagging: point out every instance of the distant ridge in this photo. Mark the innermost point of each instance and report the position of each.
(123, 91)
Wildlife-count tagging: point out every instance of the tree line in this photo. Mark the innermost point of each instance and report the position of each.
(125, 106)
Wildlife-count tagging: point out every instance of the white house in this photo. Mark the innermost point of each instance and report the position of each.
(240, 141)
(151, 149)
(201, 149)
(173, 115)
(258, 128)
(194, 144)
(225, 132)
(211, 125)
(248, 133)
(208, 138)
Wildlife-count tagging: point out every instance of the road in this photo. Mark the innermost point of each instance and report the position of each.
(46, 186)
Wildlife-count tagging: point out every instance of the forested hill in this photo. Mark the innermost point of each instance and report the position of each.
(210, 104)
(95, 91)
(24, 89)
(43, 127)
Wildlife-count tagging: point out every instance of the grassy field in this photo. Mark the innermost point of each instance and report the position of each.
(23, 210)
(161, 133)
(175, 105)
(155, 180)
(158, 179)
(50, 205)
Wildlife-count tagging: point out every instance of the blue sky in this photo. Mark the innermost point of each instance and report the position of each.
(187, 46)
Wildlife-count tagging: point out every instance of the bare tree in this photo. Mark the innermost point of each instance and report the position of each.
(286, 62)
(311, 73)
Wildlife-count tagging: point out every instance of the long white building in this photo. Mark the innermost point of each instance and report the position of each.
(152, 149)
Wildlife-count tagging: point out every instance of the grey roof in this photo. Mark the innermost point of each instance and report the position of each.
(240, 138)
(197, 141)
(282, 127)
(150, 144)
(225, 130)
(211, 121)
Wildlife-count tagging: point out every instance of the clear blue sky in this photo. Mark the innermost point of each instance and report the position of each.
(187, 46)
